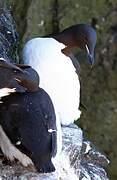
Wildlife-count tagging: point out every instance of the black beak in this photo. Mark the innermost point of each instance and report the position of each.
(90, 56)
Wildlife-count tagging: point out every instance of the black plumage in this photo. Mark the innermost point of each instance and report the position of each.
(29, 118)
(21, 77)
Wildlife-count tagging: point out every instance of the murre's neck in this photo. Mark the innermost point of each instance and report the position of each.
(82, 36)
(67, 39)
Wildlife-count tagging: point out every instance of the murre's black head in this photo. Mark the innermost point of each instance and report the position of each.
(86, 38)
(80, 35)
(21, 77)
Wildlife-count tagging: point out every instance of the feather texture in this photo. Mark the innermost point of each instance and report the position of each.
(57, 76)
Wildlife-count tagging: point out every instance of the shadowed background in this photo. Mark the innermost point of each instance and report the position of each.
(99, 85)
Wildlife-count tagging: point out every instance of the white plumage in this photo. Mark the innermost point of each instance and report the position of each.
(57, 76)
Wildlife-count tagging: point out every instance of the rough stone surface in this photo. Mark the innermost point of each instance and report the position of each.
(72, 144)
(79, 160)
(92, 163)
(99, 87)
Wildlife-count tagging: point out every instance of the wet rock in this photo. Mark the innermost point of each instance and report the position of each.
(79, 160)
(8, 35)
(93, 163)
(100, 107)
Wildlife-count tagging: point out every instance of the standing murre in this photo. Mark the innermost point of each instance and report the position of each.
(19, 138)
(50, 57)
(27, 116)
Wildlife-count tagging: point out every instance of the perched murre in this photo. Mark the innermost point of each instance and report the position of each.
(28, 122)
(50, 57)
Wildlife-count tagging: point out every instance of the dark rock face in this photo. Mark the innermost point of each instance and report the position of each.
(92, 163)
(78, 160)
(8, 36)
(39, 18)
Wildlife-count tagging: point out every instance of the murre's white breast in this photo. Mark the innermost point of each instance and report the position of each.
(57, 76)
